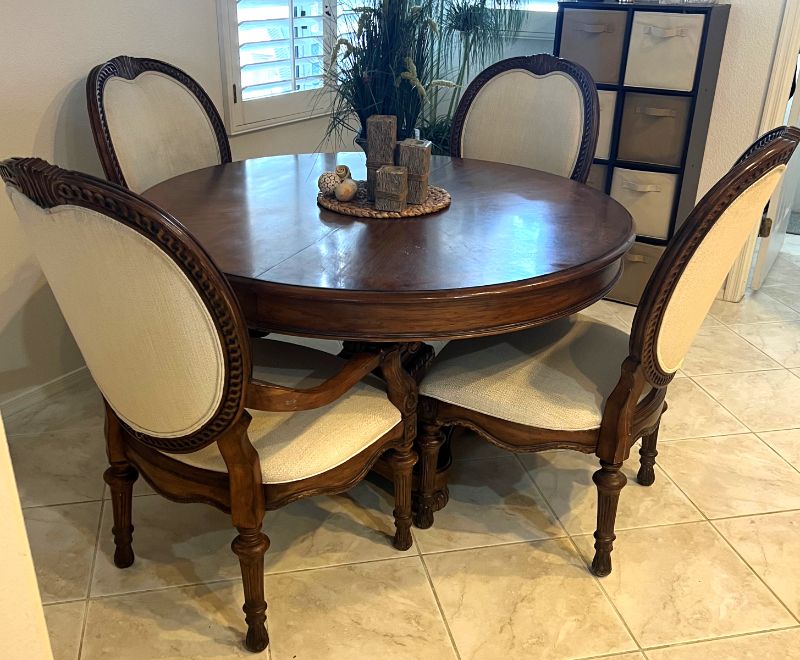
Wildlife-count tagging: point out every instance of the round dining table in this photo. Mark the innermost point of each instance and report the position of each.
(516, 248)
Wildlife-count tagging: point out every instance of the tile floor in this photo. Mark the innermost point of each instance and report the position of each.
(706, 561)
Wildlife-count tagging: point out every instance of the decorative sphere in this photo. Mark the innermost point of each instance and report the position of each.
(346, 190)
(327, 182)
(343, 172)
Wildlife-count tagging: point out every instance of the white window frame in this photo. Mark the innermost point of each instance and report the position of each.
(247, 116)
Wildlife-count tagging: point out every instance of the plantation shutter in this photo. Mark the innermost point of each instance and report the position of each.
(281, 46)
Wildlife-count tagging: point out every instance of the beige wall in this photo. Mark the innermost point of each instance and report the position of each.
(742, 87)
(43, 113)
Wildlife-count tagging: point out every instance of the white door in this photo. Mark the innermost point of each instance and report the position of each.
(785, 201)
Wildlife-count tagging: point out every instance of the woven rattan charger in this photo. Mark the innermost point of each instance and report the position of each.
(361, 207)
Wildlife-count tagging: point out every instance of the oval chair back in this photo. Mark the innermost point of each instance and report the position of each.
(691, 272)
(157, 323)
(151, 122)
(537, 111)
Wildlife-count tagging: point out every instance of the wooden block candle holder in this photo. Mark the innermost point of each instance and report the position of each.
(391, 188)
(381, 142)
(415, 155)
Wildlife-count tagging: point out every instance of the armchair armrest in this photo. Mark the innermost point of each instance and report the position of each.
(277, 398)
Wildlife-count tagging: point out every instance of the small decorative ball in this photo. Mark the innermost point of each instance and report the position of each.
(343, 172)
(327, 182)
(346, 190)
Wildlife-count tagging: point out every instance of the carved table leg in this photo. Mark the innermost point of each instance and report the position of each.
(416, 358)
(429, 441)
(610, 481)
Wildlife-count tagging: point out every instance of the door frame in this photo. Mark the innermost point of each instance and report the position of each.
(783, 68)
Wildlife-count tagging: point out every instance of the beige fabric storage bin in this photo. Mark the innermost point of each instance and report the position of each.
(649, 198)
(608, 103)
(638, 266)
(594, 39)
(597, 177)
(654, 128)
(663, 50)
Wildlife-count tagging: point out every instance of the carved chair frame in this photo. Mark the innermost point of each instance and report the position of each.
(635, 406)
(539, 65)
(127, 67)
(239, 492)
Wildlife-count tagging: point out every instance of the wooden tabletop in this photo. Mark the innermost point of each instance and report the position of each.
(516, 248)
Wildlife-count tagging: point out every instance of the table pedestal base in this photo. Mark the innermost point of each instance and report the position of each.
(417, 357)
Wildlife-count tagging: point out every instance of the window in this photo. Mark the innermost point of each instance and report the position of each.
(273, 54)
(539, 5)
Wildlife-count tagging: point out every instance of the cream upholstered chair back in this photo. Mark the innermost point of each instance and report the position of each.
(538, 111)
(156, 322)
(694, 267)
(151, 122)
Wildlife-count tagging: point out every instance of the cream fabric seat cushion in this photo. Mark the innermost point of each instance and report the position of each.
(145, 333)
(523, 119)
(297, 445)
(557, 376)
(158, 128)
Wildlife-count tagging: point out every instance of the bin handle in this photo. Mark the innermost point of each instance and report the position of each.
(665, 33)
(640, 187)
(655, 112)
(594, 28)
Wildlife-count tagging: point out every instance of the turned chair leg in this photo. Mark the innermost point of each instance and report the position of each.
(120, 478)
(610, 481)
(430, 441)
(647, 474)
(250, 546)
(403, 461)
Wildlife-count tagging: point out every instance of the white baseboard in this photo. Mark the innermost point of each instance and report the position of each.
(40, 393)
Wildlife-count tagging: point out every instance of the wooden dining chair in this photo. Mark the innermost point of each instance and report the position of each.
(151, 122)
(165, 341)
(581, 384)
(537, 111)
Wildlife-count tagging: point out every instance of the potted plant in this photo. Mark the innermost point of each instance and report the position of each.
(382, 65)
(473, 35)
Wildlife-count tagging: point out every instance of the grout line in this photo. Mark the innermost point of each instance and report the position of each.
(610, 656)
(607, 596)
(494, 545)
(724, 407)
(751, 431)
(756, 573)
(66, 601)
(542, 495)
(753, 515)
(91, 578)
(761, 350)
(32, 507)
(439, 605)
(189, 585)
(778, 367)
(694, 642)
(733, 549)
(777, 453)
(574, 545)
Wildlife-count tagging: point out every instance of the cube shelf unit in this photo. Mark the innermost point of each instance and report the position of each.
(656, 68)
